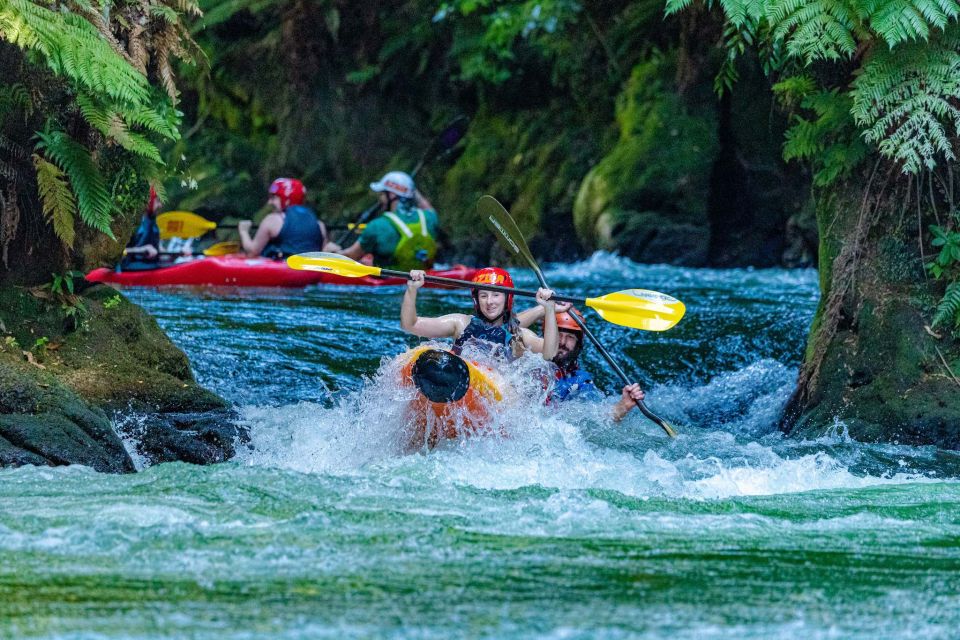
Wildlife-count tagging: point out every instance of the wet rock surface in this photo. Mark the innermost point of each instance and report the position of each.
(62, 377)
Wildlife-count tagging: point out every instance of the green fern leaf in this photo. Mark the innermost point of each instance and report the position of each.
(905, 100)
(59, 204)
(898, 21)
(73, 47)
(89, 185)
(948, 310)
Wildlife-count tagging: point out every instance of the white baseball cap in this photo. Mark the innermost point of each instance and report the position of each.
(396, 182)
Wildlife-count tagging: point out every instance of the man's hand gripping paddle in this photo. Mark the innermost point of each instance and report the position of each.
(503, 226)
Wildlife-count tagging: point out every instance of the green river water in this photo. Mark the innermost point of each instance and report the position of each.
(570, 527)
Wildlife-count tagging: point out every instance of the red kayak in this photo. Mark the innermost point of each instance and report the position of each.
(240, 271)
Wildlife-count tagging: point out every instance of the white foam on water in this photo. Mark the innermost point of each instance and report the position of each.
(575, 447)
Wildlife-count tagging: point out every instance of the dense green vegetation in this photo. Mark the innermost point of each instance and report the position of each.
(565, 98)
(87, 98)
(87, 95)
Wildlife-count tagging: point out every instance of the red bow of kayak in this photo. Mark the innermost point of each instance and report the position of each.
(240, 271)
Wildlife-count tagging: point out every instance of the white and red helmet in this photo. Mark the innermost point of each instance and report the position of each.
(397, 183)
(289, 190)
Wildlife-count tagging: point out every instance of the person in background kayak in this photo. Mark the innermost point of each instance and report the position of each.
(573, 382)
(404, 236)
(289, 229)
(143, 250)
(494, 326)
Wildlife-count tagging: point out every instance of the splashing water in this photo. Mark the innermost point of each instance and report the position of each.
(566, 525)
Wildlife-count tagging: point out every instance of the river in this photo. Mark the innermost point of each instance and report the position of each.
(569, 527)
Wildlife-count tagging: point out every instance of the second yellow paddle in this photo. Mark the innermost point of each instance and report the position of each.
(636, 308)
(183, 224)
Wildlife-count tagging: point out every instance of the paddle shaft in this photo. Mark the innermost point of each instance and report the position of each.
(518, 246)
(609, 358)
(622, 374)
(253, 229)
(466, 284)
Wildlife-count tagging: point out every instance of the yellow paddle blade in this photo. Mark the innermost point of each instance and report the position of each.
(183, 224)
(331, 263)
(222, 249)
(639, 309)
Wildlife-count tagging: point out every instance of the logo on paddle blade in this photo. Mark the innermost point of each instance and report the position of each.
(503, 234)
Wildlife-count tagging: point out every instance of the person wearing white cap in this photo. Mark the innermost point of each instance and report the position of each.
(403, 236)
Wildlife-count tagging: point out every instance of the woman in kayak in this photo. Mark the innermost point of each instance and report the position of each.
(143, 250)
(494, 325)
(290, 228)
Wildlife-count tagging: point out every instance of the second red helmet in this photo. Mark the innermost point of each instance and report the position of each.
(289, 190)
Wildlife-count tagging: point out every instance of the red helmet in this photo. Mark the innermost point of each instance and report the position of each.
(493, 275)
(153, 203)
(289, 190)
(566, 321)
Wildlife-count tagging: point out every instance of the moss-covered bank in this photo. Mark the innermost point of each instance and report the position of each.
(70, 364)
(872, 360)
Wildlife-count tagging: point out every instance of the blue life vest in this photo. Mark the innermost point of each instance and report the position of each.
(495, 338)
(300, 233)
(147, 233)
(574, 385)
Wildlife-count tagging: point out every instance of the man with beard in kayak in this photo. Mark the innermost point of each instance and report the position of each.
(403, 237)
(574, 383)
(143, 250)
(494, 327)
(289, 229)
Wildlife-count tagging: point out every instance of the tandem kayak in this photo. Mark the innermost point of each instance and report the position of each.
(453, 398)
(240, 271)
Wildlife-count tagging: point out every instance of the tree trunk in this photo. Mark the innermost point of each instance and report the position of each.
(873, 367)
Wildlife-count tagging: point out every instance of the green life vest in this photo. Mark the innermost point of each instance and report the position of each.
(416, 247)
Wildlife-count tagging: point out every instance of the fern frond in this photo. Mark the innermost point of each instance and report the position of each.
(166, 124)
(815, 29)
(59, 204)
(15, 97)
(898, 21)
(113, 127)
(906, 100)
(72, 46)
(948, 310)
(89, 185)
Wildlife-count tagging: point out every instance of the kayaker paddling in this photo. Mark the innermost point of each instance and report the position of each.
(289, 229)
(143, 250)
(403, 237)
(572, 381)
(494, 327)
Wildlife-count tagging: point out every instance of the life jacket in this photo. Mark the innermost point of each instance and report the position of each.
(300, 233)
(147, 233)
(416, 247)
(495, 338)
(575, 384)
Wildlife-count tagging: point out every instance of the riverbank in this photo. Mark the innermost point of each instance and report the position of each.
(70, 364)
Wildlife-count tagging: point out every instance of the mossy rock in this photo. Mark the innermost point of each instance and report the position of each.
(657, 172)
(532, 162)
(61, 377)
(44, 422)
(884, 374)
(653, 238)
